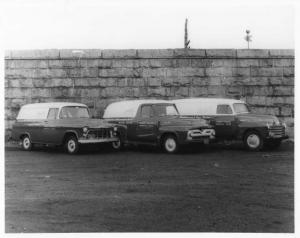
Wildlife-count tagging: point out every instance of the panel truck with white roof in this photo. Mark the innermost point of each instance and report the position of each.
(156, 122)
(61, 123)
(233, 120)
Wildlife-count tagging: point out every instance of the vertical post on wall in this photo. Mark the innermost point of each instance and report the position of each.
(248, 38)
(186, 40)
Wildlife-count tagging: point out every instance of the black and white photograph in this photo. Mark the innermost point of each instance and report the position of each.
(146, 117)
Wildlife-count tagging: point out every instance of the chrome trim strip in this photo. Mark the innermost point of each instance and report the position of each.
(88, 141)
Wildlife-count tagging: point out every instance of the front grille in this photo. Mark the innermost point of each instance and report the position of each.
(101, 133)
(277, 130)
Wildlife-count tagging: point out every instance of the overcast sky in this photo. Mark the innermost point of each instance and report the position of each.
(114, 24)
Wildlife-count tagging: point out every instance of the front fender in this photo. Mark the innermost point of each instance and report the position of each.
(180, 133)
(243, 128)
(70, 131)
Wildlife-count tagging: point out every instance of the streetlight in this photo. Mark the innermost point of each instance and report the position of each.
(248, 37)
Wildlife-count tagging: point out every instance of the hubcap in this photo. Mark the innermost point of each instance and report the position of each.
(26, 143)
(71, 145)
(170, 144)
(253, 141)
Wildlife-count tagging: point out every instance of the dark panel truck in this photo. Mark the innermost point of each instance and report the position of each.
(156, 122)
(61, 123)
(233, 120)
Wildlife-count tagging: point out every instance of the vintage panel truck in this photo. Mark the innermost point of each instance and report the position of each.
(61, 123)
(233, 120)
(156, 122)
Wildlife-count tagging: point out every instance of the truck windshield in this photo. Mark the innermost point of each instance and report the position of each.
(240, 108)
(165, 110)
(74, 112)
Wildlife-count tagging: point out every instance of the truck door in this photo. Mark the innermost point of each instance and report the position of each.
(50, 131)
(225, 123)
(146, 129)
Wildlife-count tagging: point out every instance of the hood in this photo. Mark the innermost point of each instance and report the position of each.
(252, 117)
(85, 122)
(186, 122)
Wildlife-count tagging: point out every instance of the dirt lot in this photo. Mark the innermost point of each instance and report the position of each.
(213, 188)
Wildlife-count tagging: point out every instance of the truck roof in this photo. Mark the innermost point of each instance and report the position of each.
(202, 106)
(40, 110)
(128, 108)
(208, 100)
(53, 104)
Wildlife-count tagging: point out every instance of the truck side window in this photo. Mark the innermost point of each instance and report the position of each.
(52, 113)
(224, 109)
(146, 111)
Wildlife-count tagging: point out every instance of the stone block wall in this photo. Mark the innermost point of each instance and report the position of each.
(263, 78)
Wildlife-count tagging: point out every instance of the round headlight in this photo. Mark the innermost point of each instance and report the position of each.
(115, 128)
(85, 129)
(189, 134)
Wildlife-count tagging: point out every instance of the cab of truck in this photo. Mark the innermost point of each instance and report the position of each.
(233, 120)
(156, 122)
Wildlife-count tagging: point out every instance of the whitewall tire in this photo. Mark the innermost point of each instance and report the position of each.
(71, 145)
(253, 141)
(26, 143)
(170, 144)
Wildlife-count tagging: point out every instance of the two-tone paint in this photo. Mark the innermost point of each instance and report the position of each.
(234, 125)
(152, 130)
(54, 131)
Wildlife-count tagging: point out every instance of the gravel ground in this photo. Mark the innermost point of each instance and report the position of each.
(215, 188)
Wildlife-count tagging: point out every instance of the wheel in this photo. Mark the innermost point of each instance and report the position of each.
(170, 144)
(72, 145)
(26, 143)
(253, 141)
(273, 144)
(117, 145)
